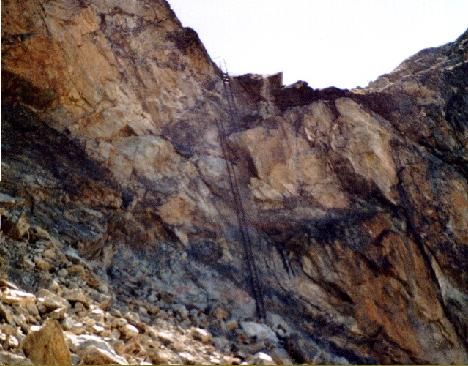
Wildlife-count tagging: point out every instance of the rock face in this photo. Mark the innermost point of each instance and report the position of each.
(356, 200)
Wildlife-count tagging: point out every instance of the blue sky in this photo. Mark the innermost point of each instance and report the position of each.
(345, 43)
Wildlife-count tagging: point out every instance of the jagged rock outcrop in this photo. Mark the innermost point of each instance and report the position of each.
(356, 200)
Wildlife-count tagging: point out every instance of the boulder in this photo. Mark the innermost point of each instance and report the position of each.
(7, 358)
(93, 350)
(16, 228)
(47, 346)
(278, 325)
(232, 325)
(76, 295)
(42, 264)
(97, 356)
(180, 310)
(6, 315)
(159, 356)
(262, 358)
(165, 337)
(7, 284)
(16, 297)
(129, 331)
(50, 300)
(187, 358)
(260, 331)
(202, 335)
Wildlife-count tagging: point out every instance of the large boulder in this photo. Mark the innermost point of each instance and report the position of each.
(47, 345)
(260, 331)
(98, 356)
(93, 350)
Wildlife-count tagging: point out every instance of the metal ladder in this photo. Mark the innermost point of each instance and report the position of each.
(242, 221)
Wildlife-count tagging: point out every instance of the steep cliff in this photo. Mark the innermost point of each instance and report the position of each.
(356, 200)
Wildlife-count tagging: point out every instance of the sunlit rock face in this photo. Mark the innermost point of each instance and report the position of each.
(357, 200)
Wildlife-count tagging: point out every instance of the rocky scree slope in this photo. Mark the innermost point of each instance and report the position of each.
(357, 200)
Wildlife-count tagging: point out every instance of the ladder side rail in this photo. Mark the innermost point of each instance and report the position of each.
(238, 207)
(243, 224)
